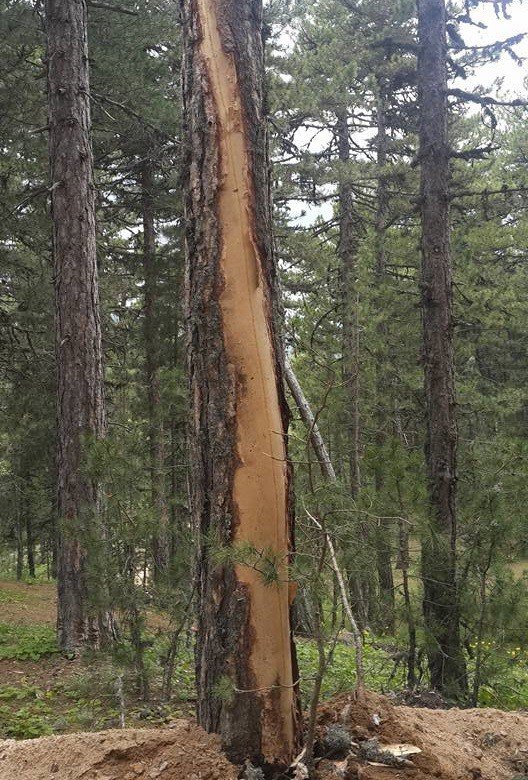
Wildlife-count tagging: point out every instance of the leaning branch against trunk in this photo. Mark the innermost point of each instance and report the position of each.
(328, 471)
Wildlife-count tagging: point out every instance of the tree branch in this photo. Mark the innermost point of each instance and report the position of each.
(109, 7)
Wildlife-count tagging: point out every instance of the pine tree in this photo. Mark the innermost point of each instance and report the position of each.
(80, 388)
(246, 675)
(439, 546)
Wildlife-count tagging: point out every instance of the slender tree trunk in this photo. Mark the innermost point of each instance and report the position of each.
(348, 242)
(246, 670)
(19, 538)
(160, 541)
(383, 369)
(439, 571)
(177, 475)
(403, 563)
(325, 464)
(347, 249)
(81, 419)
(30, 540)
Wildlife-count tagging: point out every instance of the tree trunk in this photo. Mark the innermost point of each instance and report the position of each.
(178, 479)
(160, 541)
(441, 602)
(348, 241)
(384, 532)
(30, 540)
(347, 249)
(19, 537)
(78, 333)
(246, 670)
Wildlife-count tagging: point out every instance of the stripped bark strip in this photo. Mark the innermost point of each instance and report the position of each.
(246, 671)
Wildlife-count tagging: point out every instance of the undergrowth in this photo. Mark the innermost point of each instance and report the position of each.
(26, 643)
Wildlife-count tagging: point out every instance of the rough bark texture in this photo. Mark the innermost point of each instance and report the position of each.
(160, 543)
(383, 368)
(246, 671)
(78, 332)
(348, 244)
(441, 610)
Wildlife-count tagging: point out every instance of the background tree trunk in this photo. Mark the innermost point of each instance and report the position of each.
(19, 537)
(246, 670)
(160, 540)
(384, 531)
(30, 539)
(348, 244)
(81, 417)
(441, 607)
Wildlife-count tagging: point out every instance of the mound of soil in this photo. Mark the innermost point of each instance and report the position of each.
(456, 744)
(184, 752)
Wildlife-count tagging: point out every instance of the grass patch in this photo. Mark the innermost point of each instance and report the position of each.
(9, 597)
(27, 643)
(341, 673)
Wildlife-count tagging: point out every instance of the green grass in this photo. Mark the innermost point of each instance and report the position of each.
(27, 643)
(8, 597)
(341, 674)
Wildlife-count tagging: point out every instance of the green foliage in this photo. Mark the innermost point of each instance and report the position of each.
(25, 723)
(26, 643)
(224, 690)
(341, 673)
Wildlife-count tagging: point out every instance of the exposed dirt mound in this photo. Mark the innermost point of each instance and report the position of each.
(184, 752)
(456, 744)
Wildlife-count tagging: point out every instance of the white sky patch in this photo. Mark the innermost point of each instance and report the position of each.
(503, 78)
(509, 76)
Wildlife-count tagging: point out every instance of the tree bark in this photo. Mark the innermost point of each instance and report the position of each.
(81, 419)
(246, 671)
(30, 540)
(441, 602)
(19, 537)
(348, 243)
(160, 541)
(384, 532)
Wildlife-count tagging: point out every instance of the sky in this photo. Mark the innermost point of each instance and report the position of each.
(511, 74)
(504, 78)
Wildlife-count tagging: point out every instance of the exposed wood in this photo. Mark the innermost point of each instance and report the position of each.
(246, 671)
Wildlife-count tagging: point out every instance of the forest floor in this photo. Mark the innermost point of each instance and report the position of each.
(74, 702)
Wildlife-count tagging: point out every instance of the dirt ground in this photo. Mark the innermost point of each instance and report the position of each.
(482, 744)
(456, 745)
(184, 752)
(27, 605)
